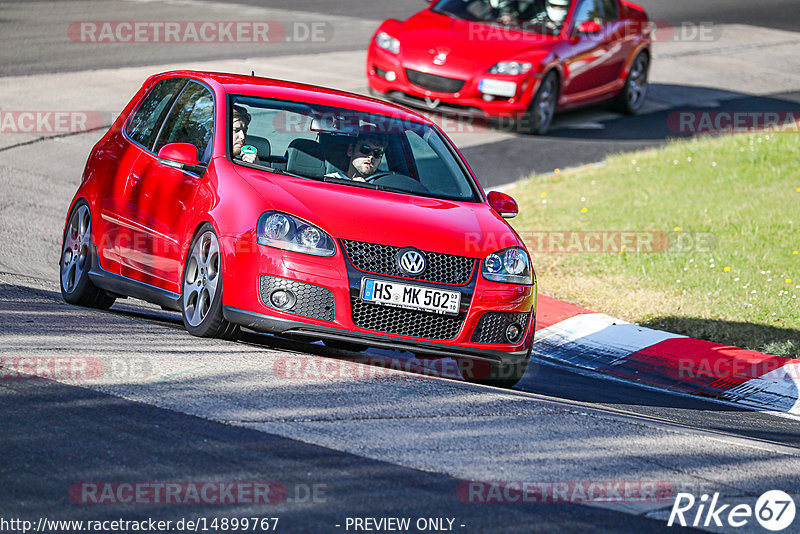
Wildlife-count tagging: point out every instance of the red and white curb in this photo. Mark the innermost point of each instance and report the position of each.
(581, 338)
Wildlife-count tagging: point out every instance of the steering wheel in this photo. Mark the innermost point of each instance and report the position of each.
(377, 175)
(399, 181)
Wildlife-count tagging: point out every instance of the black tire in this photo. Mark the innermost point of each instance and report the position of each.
(493, 374)
(76, 261)
(539, 116)
(201, 299)
(633, 94)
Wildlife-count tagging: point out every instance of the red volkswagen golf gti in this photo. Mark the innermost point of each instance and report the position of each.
(300, 211)
(515, 59)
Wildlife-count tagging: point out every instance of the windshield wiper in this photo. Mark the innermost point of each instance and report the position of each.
(368, 185)
(347, 181)
(456, 16)
(394, 189)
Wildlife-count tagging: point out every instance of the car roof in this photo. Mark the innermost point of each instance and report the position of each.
(241, 84)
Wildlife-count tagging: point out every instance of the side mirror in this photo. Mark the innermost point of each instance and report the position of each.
(589, 27)
(503, 204)
(179, 155)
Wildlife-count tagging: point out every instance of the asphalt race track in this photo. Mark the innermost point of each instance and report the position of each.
(356, 441)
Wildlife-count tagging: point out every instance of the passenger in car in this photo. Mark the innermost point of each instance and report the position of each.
(365, 154)
(241, 121)
(553, 14)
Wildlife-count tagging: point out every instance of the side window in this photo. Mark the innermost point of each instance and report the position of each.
(278, 127)
(190, 121)
(610, 8)
(589, 10)
(143, 126)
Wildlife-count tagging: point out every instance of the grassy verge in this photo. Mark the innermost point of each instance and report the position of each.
(719, 215)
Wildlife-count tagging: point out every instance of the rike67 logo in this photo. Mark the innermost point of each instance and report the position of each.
(774, 510)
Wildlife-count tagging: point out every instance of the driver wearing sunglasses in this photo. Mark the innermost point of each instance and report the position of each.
(365, 154)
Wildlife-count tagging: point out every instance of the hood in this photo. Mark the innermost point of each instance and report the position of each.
(351, 212)
(468, 45)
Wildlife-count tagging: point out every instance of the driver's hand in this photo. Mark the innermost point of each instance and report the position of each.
(249, 158)
(359, 179)
(505, 18)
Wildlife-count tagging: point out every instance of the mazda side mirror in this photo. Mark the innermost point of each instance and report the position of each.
(589, 27)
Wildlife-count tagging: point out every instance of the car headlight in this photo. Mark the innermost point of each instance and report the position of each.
(280, 230)
(387, 42)
(510, 265)
(511, 68)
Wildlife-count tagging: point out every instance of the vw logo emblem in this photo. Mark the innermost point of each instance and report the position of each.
(411, 261)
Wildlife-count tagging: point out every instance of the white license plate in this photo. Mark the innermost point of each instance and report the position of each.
(410, 297)
(497, 88)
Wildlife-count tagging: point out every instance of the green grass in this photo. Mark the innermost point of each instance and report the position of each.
(729, 206)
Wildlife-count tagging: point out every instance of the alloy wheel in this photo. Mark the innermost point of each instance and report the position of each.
(546, 102)
(637, 83)
(75, 254)
(201, 279)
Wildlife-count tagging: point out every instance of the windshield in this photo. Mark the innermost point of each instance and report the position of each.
(539, 16)
(346, 146)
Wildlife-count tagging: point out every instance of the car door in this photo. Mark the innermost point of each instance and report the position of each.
(589, 67)
(123, 158)
(164, 196)
(620, 38)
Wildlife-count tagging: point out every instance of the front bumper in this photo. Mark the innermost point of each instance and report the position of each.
(334, 285)
(468, 100)
(276, 325)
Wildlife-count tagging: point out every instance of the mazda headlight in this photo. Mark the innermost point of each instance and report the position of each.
(511, 68)
(387, 42)
(510, 265)
(284, 231)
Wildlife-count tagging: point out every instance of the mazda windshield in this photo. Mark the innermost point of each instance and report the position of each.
(526, 15)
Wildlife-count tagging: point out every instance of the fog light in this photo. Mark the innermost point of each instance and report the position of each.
(391, 75)
(282, 299)
(514, 333)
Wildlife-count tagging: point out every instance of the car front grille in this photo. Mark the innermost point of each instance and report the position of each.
(312, 301)
(382, 259)
(432, 82)
(402, 322)
(492, 326)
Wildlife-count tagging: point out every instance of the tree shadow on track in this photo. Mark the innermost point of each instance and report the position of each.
(670, 111)
(263, 372)
(682, 112)
(59, 440)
